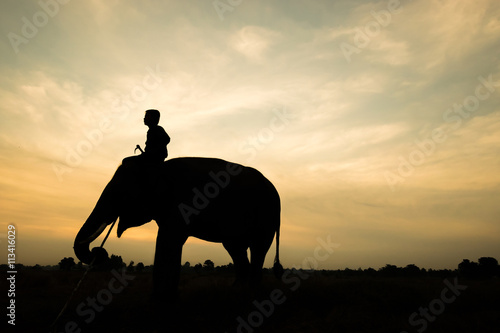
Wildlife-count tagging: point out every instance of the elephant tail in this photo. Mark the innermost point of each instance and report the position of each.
(277, 267)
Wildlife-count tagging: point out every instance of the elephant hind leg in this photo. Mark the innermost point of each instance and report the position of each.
(258, 252)
(238, 253)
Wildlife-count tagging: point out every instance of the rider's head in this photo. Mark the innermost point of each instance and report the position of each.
(152, 117)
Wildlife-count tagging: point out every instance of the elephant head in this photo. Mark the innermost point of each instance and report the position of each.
(124, 197)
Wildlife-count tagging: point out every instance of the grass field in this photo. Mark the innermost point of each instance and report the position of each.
(305, 302)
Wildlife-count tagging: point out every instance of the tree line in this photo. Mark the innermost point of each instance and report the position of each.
(485, 267)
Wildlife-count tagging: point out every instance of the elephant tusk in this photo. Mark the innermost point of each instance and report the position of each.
(96, 234)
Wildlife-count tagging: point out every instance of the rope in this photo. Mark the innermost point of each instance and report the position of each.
(107, 235)
(53, 326)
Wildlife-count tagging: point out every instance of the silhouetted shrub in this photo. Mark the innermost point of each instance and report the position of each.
(208, 265)
(66, 264)
(488, 267)
(198, 267)
(390, 271)
(412, 271)
(140, 267)
(130, 267)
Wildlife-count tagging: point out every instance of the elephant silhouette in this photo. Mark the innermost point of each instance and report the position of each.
(206, 198)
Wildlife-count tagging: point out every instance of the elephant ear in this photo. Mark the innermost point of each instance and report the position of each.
(137, 208)
(126, 222)
(139, 199)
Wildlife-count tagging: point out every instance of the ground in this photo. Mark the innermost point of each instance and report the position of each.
(301, 302)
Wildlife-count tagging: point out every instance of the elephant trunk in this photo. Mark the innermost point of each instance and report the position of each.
(87, 234)
(105, 212)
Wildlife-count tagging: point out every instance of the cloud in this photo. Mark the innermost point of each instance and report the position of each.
(466, 160)
(253, 41)
(452, 31)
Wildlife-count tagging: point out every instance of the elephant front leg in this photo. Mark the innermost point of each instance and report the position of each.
(167, 265)
(166, 273)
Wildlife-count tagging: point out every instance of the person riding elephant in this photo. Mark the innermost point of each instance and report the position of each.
(157, 140)
(148, 164)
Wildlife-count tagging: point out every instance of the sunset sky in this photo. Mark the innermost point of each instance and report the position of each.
(378, 122)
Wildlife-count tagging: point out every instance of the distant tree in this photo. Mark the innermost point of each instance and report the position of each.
(130, 267)
(468, 268)
(116, 262)
(208, 265)
(488, 261)
(411, 270)
(230, 267)
(488, 266)
(198, 267)
(66, 264)
(370, 272)
(186, 267)
(390, 270)
(140, 267)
